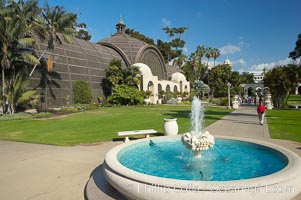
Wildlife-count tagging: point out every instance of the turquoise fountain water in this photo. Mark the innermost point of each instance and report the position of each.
(170, 159)
(201, 157)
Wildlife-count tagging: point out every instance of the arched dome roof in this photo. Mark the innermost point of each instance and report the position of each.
(144, 69)
(178, 77)
(132, 50)
(129, 45)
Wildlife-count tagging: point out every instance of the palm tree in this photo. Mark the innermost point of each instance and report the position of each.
(132, 76)
(201, 51)
(17, 92)
(114, 72)
(215, 54)
(193, 62)
(53, 21)
(15, 41)
(179, 61)
(208, 54)
(200, 87)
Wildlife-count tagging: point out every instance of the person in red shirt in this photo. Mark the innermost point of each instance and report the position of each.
(261, 112)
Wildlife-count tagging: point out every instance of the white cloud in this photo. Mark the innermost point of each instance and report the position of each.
(240, 61)
(166, 22)
(261, 66)
(229, 49)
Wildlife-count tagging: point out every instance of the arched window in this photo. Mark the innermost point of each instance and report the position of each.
(150, 85)
(159, 87)
(175, 89)
(167, 88)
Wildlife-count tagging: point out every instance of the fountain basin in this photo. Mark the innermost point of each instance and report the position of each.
(282, 184)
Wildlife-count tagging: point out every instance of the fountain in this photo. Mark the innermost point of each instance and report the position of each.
(165, 168)
(195, 139)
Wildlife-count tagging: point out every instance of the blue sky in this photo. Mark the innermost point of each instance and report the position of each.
(253, 34)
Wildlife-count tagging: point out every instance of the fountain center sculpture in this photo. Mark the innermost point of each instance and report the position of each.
(195, 139)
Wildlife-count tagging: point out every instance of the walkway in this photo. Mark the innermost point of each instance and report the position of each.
(33, 171)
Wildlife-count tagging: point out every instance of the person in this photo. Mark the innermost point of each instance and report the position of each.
(261, 112)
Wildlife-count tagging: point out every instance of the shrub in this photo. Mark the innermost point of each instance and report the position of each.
(125, 95)
(80, 107)
(17, 116)
(82, 92)
(168, 96)
(43, 115)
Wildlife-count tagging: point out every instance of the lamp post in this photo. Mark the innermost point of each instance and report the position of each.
(229, 85)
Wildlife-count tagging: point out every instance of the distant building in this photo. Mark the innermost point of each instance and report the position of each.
(258, 77)
(87, 61)
(228, 62)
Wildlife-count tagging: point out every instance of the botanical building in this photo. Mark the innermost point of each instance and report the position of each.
(87, 61)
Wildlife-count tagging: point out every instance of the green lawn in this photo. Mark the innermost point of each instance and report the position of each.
(100, 125)
(294, 100)
(285, 124)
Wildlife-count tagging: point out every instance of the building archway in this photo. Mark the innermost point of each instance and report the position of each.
(167, 88)
(175, 89)
(298, 89)
(151, 88)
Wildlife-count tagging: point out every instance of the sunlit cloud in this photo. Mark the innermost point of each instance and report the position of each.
(261, 66)
(229, 49)
(240, 62)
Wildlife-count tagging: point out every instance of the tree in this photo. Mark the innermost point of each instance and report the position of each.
(132, 76)
(201, 51)
(246, 77)
(179, 61)
(220, 75)
(114, 73)
(165, 49)
(125, 95)
(176, 42)
(82, 33)
(200, 87)
(208, 54)
(281, 81)
(296, 53)
(139, 36)
(17, 92)
(53, 21)
(16, 23)
(215, 54)
(82, 92)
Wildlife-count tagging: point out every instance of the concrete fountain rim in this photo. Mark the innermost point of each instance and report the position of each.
(293, 167)
(121, 177)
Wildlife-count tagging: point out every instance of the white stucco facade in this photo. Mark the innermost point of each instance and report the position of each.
(149, 82)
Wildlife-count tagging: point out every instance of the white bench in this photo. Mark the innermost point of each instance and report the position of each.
(136, 132)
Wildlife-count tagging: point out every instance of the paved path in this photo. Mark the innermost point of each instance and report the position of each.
(33, 171)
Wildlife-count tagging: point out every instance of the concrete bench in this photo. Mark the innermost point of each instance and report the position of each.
(135, 132)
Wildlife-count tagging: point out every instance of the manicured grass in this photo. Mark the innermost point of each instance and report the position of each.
(100, 125)
(294, 100)
(285, 124)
